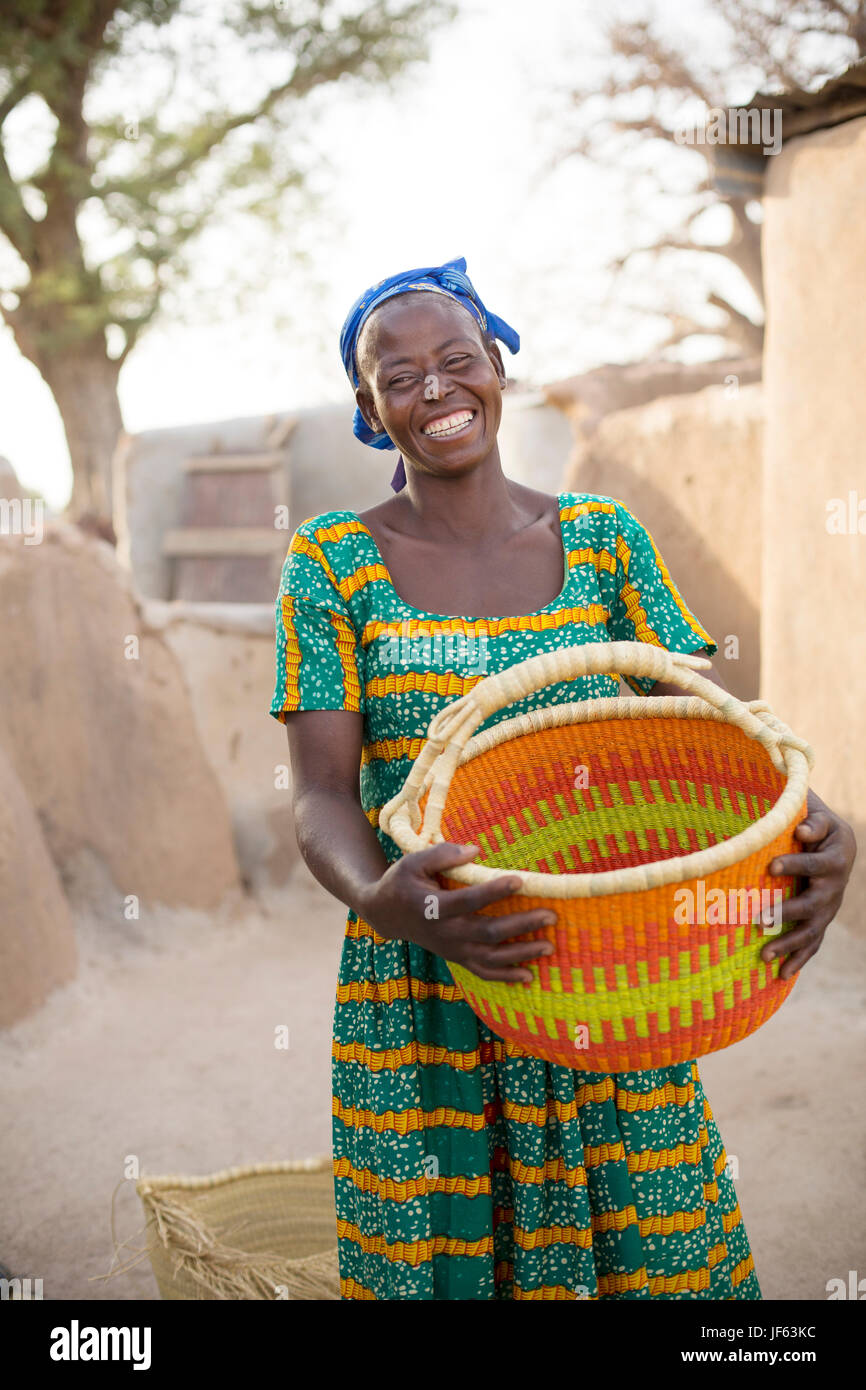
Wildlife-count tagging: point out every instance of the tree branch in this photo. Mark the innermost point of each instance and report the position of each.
(741, 328)
(304, 80)
(15, 221)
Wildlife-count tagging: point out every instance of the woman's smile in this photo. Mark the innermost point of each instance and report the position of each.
(448, 426)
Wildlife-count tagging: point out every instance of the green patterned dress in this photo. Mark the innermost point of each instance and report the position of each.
(464, 1168)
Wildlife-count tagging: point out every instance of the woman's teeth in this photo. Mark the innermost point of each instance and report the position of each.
(452, 424)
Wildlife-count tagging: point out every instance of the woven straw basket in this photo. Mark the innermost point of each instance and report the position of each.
(625, 816)
(265, 1231)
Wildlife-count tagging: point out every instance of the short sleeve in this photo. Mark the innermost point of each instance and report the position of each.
(317, 649)
(648, 606)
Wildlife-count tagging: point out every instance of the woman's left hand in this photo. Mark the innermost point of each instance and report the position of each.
(829, 850)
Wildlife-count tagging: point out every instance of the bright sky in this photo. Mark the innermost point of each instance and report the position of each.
(447, 165)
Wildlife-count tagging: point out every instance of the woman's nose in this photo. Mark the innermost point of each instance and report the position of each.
(436, 385)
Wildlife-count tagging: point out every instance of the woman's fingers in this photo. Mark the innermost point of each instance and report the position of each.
(509, 975)
(490, 931)
(459, 902)
(486, 945)
(803, 865)
(797, 909)
(488, 948)
(506, 962)
(435, 858)
(798, 960)
(816, 826)
(798, 945)
(513, 952)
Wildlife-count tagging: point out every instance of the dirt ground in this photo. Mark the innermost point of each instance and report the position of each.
(163, 1048)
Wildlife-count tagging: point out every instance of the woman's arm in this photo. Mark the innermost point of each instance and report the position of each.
(337, 842)
(829, 851)
(403, 901)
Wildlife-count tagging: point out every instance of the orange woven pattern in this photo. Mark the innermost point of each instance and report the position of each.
(644, 979)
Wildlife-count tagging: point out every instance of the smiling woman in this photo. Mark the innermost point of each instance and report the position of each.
(464, 1167)
(460, 372)
(371, 367)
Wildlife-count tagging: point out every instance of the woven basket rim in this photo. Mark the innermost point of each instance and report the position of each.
(596, 711)
(635, 877)
(175, 1181)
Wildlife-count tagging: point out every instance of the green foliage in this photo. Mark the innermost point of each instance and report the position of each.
(167, 114)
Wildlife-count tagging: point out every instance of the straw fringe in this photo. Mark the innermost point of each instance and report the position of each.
(179, 1238)
(226, 1272)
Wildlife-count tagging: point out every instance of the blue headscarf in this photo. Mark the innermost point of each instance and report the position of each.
(449, 278)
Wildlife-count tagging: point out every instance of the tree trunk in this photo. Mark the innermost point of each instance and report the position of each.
(82, 378)
(84, 385)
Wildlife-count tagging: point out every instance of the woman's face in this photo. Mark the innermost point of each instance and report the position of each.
(429, 380)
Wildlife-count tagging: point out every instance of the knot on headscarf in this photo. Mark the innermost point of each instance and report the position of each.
(449, 278)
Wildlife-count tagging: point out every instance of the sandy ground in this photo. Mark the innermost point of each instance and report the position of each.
(163, 1048)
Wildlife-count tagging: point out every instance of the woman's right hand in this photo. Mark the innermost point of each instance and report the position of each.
(408, 903)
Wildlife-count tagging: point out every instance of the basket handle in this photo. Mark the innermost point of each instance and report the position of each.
(451, 729)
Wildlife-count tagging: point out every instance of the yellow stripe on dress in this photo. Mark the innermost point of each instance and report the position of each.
(428, 1054)
(632, 599)
(431, 682)
(585, 509)
(600, 559)
(593, 615)
(407, 1121)
(414, 1252)
(386, 991)
(392, 1190)
(637, 614)
(302, 545)
(292, 662)
(353, 583)
(339, 530)
(389, 1059)
(390, 749)
(292, 656)
(608, 1284)
(345, 645)
(689, 617)
(731, 1219)
(742, 1270)
(358, 1293)
(669, 1094)
(553, 1170)
(360, 578)
(546, 1236)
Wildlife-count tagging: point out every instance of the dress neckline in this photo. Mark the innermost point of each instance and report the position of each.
(478, 618)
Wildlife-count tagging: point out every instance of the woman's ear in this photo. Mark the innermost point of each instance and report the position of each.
(496, 358)
(364, 402)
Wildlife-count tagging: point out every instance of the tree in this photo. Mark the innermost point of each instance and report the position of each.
(107, 217)
(654, 88)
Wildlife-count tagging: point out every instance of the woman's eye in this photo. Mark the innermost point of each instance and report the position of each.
(401, 380)
(454, 361)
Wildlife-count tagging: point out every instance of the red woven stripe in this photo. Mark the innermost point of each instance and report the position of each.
(510, 789)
